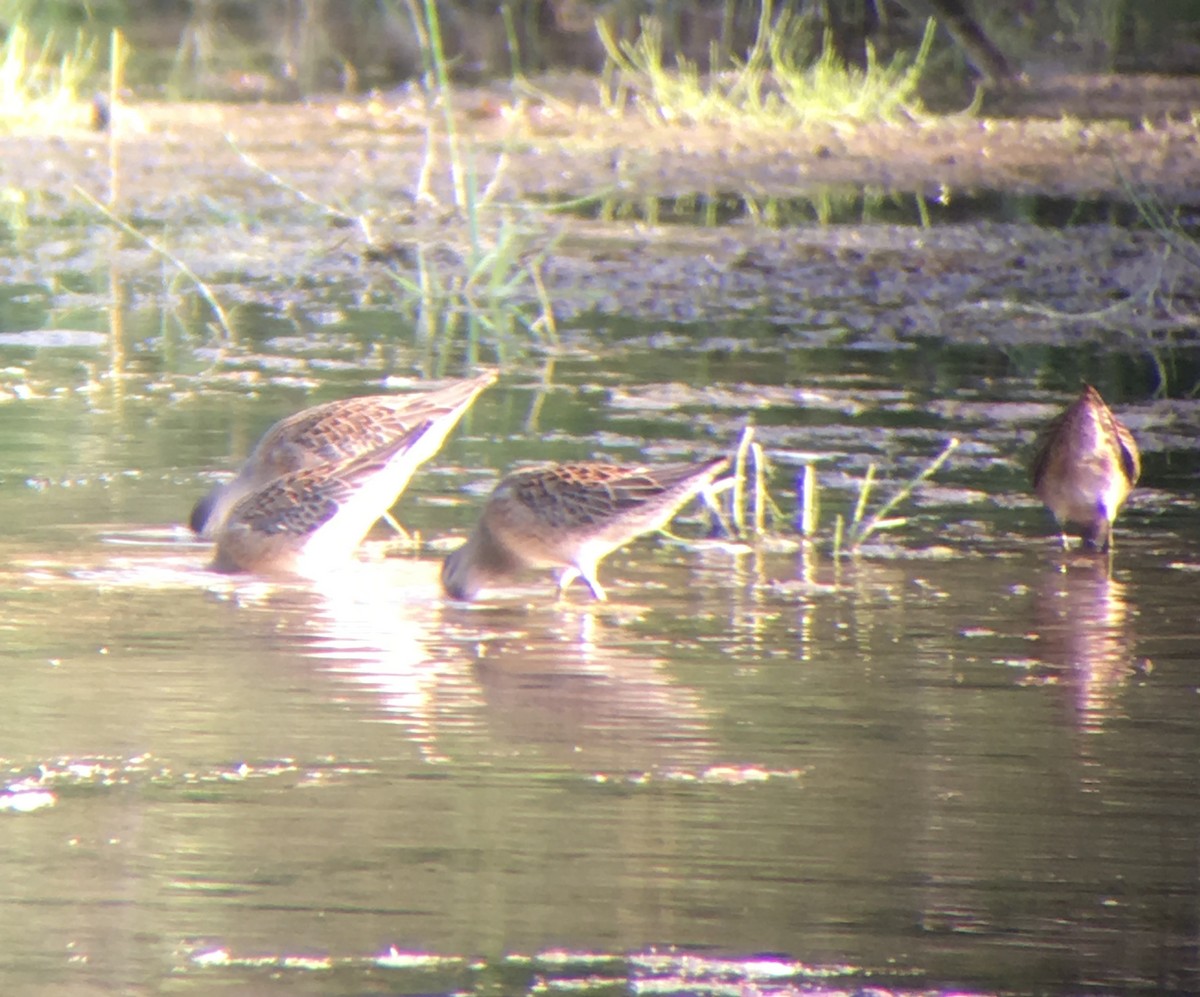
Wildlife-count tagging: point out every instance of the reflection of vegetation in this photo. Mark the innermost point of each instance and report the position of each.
(161, 250)
(40, 81)
(826, 205)
(778, 84)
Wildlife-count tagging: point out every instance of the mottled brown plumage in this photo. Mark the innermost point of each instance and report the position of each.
(337, 432)
(1085, 465)
(570, 516)
(308, 521)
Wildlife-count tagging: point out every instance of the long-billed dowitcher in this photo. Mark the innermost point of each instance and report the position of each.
(337, 432)
(570, 516)
(1084, 466)
(308, 521)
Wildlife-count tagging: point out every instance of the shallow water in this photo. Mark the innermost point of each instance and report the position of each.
(962, 761)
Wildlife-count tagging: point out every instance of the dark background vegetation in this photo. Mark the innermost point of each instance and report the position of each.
(285, 49)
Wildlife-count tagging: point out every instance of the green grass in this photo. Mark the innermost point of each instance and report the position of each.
(468, 268)
(41, 82)
(497, 250)
(775, 86)
(849, 536)
(749, 516)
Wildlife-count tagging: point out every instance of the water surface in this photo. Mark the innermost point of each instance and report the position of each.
(964, 760)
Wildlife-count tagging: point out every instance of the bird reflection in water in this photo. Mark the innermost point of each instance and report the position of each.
(1082, 621)
(554, 687)
(577, 695)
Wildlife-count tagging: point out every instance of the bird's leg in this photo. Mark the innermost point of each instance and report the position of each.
(565, 577)
(1097, 534)
(716, 516)
(395, 525)
(588, 574)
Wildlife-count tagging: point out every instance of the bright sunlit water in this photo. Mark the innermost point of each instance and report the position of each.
(963, 761)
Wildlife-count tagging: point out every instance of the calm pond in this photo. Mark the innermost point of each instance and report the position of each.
(962, 761)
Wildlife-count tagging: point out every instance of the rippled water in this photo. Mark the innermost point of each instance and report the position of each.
(963, 761)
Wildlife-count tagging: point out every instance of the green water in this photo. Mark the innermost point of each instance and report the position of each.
(964, 762)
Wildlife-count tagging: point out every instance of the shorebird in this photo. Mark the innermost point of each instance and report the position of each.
(569, 517)
(1084, 466)
(309, 521)
(337, 432)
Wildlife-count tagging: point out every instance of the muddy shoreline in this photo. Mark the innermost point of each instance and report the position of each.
(265, 203)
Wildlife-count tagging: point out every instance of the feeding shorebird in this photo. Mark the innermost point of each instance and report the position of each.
(1085, 464)
(337, 432)
(309, 521)
(570, 516)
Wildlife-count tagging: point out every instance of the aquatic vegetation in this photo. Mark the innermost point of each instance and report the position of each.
(776, 86)
(848, 537)
(750, 501)
(468, 268)
(220, 315)
(826, 204)
(500, 255)
(109, 211)
(749, 498)
(1165, 291)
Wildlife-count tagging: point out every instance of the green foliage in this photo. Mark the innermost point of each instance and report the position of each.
(777, 85)
(62, 18)
(40, 81)
(750, 505)
(848, 538)
(14, 210)
(498, 261)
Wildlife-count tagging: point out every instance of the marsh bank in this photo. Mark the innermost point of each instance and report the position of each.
(1027, 216)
